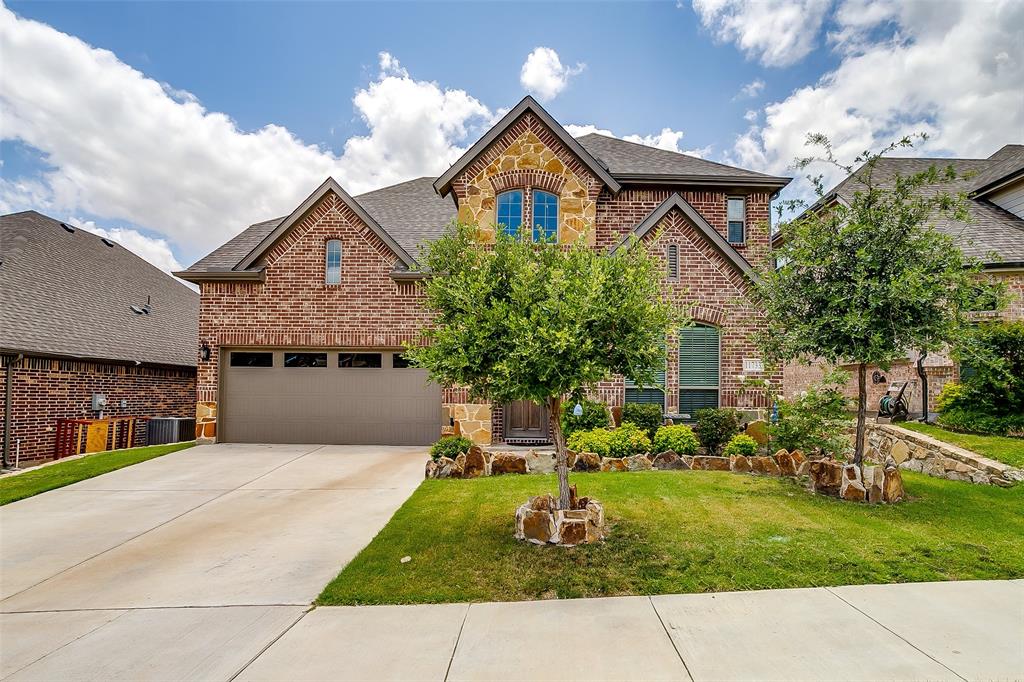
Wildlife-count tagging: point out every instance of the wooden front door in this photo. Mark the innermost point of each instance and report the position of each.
(526, 420)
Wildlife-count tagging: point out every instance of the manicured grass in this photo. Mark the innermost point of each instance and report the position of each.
(682, 531)
(14, 488)
(1007, 450)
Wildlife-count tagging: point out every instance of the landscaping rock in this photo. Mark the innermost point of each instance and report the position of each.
(430, 471)
(826, 476)
(787, 465)
(874, 483)
(804, 468)
(540, 462)
(765, 466)
(536, 526)
(740, 464)
(571, 532)
(758, 430)
(900, 452)
(892, 486)
(638, 463)
(613, 464)
(852, 488)
(587, 461)
(444, 467)
(708, 463)
(476, 463)
(541, 522)
(507, 463)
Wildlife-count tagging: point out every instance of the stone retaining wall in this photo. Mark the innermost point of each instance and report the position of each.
(917, 452)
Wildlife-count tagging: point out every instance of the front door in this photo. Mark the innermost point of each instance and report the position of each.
(526, 420)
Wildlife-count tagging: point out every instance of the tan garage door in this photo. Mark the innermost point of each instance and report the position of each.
(326, 396)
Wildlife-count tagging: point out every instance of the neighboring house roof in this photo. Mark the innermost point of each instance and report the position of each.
(993, 235)
(634, 162)
(675, 201)
(69, 294)
(443, 184)
(1008, 166)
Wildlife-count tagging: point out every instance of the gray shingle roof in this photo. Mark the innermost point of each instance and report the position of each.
(1007, 161)
(625, 159)
(69, 294)
(994, 234)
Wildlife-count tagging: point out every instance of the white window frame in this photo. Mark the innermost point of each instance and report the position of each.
(327, 261)
(729, 220)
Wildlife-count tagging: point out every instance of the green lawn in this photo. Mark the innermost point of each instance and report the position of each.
(13, 488)
(689, 531)
(1007, 450)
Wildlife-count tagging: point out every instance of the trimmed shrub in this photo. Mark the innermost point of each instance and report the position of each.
(715, 426)
(741, 444)
(990, 398)
(450, 446)
(627, 440)
(679, 438)
(815, 420)
(597, 441)
(595, 415)
(648, 416)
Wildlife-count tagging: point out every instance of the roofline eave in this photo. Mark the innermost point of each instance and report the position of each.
(196, 277)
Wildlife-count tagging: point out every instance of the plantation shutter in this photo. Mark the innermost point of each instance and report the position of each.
(698, 368)
(648, 394)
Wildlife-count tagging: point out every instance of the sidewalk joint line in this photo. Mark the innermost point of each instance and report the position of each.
(271, 643)
(669, 635)
(458, 638)
(68, 643)
(895, 634)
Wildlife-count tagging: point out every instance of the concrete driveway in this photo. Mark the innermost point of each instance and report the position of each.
(189, 565)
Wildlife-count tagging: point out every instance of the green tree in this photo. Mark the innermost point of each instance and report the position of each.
(868, 279)
(522, 320)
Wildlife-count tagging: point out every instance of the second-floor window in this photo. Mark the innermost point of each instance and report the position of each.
(737, 217)
(510, 212)
(333, 262)
(545, 216)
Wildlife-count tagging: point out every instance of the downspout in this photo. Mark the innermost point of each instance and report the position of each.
(924, 385)
(8, 397)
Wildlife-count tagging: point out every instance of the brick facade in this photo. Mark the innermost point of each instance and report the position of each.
(47, 389)
(294, 308)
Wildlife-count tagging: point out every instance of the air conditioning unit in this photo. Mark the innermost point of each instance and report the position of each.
(163, 430)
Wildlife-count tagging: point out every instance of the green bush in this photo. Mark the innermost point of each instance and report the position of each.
(595, 415)
(629, 439)
(741, 444)
(951, 395)
(679, 438)
(967, 420)
(597, 441)
(815, 420)
(648, 416)
(715, 426)
(990, 398)
(450, 446)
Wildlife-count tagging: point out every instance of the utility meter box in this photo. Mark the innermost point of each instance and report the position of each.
(99, 402)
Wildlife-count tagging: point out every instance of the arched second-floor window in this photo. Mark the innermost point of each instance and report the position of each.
(332, 265)
(698, 368)
(510, 212)
(545, 216)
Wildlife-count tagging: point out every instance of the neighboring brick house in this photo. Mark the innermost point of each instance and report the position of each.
(83, 315)
(994, 235)
(307, 314)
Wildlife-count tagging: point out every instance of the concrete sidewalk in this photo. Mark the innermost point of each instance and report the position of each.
(924, 631)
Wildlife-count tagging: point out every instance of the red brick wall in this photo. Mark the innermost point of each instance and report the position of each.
(46, 390)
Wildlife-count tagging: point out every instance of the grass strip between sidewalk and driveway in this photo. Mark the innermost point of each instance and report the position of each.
(29, 483)
(1000, 448)
(682, 531)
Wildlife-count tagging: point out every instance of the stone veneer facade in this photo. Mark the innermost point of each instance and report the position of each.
(369, 309)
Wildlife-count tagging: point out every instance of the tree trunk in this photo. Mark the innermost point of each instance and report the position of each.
(862, 404)
(561, 456)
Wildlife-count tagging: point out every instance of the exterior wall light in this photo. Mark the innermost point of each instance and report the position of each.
(204, 352)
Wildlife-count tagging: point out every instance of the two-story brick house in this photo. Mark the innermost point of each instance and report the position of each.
(305, 316)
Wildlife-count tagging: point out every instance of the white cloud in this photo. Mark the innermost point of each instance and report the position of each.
(123, 146)
(751, 89)
(751, 116)
(776, 32)
(667, 139)
(952, 71)
(543, 74)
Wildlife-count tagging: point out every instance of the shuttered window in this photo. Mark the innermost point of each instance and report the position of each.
(698, 368)
(648, 394)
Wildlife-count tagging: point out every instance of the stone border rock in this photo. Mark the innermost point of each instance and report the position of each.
(541, 522)
(915, 451)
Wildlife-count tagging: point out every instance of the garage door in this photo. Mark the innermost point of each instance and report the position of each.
(326, 396)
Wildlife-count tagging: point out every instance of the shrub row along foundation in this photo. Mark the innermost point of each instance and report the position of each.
(917, 452)
(877, 483)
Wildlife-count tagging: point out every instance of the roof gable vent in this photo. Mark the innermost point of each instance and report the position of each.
(68, 228)
(107, 242)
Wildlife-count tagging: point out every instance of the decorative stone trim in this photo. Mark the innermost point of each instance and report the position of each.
(541, 522)
(918, 452)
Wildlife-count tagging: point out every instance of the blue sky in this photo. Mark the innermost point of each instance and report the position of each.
(233, 110)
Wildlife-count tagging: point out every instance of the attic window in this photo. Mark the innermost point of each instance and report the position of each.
(68, 228)
(672, 262)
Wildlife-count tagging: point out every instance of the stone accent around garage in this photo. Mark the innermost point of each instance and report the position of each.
(918, 452)
(471, 420)
(206, 422)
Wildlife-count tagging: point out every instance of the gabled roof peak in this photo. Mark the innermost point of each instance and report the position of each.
(528, 104)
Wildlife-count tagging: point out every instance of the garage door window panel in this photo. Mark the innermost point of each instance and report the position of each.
(249, 359)
(305, 359)
(359, 360)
